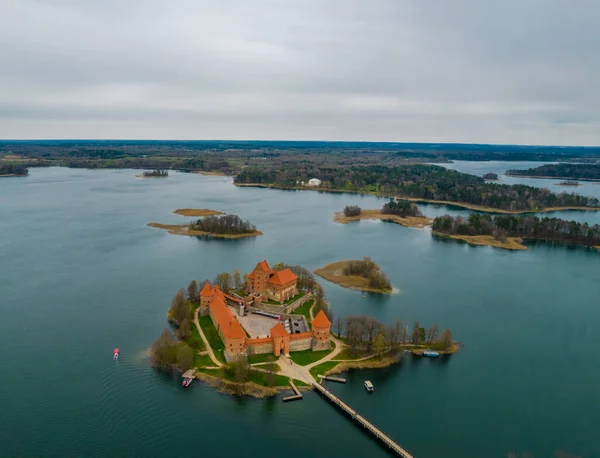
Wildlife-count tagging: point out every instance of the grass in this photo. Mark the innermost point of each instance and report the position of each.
(266, 358)
(334, 273)
(203, 361)
(304, 309)
(195, 341)
(301, 383)
(213, 337)
(292, 299)
(511, 243)
(408, 221)
(258, 377)
(273, 367)
(346, 354)
(322, 368)
(306, 357)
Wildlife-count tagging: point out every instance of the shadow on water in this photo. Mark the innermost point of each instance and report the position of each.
(209, 238)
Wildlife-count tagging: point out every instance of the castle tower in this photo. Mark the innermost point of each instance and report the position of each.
(206, 296)
(321, 330)
(259, 277)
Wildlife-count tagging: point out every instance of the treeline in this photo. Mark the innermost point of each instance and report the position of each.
(527, 227)
(7, 168)
(563, 170)
(224, 224)
(369, 270)
(156, 173)
(352, 210)
(423, 182)
(400, 208)
(366, 334)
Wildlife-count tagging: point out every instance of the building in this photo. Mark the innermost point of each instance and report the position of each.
(213, 302)
(277, 285)
(314, 182)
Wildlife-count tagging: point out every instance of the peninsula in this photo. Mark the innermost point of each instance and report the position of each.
(563, 171)
(569, 183)
(223, 226)
(255, 334)
(197, 212)
(362, 275)
(158, 173)
(8, 169)
(403, 213)
(508, 232)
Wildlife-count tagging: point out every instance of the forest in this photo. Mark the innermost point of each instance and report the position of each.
(525, 227)
(400, 208)
(419, 181)
(563, 170)
(224, 224)
(8, 168)
(369, 270)
(156, 173)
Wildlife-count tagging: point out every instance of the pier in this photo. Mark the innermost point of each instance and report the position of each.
(386, 440)
(296, 397)
(332, 379)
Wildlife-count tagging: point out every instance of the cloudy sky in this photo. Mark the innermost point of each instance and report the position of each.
(515, 71)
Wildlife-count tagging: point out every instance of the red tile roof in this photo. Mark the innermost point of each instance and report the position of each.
(321, 320)
(263, 265)
(283, 277)
(227, 322)
(279, 331)
(207, 290)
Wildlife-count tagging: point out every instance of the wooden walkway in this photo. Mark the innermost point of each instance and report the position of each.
(393, 446)
(297, 396)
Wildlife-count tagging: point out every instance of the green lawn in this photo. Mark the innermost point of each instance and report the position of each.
(258, 377)
(195, 341)
(292, 299)
(303, 358)
(213, 337)
(322, 368)
(203, 361)
(346, 354)
(274, 367)
(267, 357)
(301, 383)
(304, 309)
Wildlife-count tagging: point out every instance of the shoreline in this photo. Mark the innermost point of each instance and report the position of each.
(596, 180)
(418, 222)
(512, 243)
(151, 176)
(183, 229)
(211, 174)
(197, 212)
(333, 272)
(467, 206)
(13, 175)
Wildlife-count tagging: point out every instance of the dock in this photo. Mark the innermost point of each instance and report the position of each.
(191, 373)
(332, 379)
(362, 421)
(296, 397)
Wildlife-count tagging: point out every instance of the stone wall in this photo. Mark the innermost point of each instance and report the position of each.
(301, 344)
(318, 345)
(297, 303)
(259, 348)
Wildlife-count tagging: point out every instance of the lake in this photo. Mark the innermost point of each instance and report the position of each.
(81, 273)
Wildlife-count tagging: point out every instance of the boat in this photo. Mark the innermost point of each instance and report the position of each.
(369, 386)
(431, 353)
(116, 353)
(186, 381)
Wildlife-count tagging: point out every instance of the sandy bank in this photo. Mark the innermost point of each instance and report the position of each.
(213, 174)
(238, 389)
(512, 243)
(183, 229)
(334, 273)
(410, 221)
(197, 212)
(372, 363)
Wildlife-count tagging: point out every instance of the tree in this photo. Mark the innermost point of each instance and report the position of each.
(237, 280)
(339, 326)
(352, 210)
(185, 357)
(223, 279)
(432, 333)
(192, 292)
(184, 331)
(447, 339)
(242, 368)
(379, 344)
(395, 333)
(415, 337)
(179, 309)
(163, 351)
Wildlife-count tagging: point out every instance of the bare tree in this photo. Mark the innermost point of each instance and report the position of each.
(242, 368)
(185, 357)
(379, 344)
(179, 309)
(395, 333)
(184, 331)
(223, 279)
(416, 336)
(237, 279)
(192, 292)
(339, 326)
(447, 339)
(432, 333)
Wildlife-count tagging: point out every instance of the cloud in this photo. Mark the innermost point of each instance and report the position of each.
(518, 71)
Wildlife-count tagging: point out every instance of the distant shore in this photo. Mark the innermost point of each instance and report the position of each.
(574, 184)
(334, 273)
(516, 175)
(152, 176)
(215, 174)
(183, 229)
(511, 243)
(197, 212)
(409, 221)
(419, 200)
(13, 175)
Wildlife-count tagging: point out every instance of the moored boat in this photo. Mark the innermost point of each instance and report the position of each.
(186, 381)
(431, 353)
(369, 386)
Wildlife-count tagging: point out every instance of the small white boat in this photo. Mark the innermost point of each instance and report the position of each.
(116, 353)
(369, 386)
(186, 381)
(431, 353)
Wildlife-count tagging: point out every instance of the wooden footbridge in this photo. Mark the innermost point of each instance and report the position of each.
(393, 446)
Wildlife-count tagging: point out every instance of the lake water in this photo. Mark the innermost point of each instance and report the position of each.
(80, 274)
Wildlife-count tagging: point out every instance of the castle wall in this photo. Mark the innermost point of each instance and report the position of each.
(318, 345)
(259, 348)
(301, 344)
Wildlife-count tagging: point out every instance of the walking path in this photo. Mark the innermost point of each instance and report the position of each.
(339, 346)
(209, 349)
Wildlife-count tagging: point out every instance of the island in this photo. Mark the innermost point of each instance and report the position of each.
(565, 171)
(271, 329)
(8, 169)
(491, 176)
(569, 183)
(508, 232)
(418, 183)
(361, 275)
(197, 212)
(223, 226)
(158, 173)
(403, 213)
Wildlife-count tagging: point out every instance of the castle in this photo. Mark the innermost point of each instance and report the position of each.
(263, 282)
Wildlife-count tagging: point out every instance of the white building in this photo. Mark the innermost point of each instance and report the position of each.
(314, 182)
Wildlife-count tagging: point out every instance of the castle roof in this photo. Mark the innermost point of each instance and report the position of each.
(279, 331)
(283, 277)
(229, 324)
(321, 320)
(207, 290)
(262, 265)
